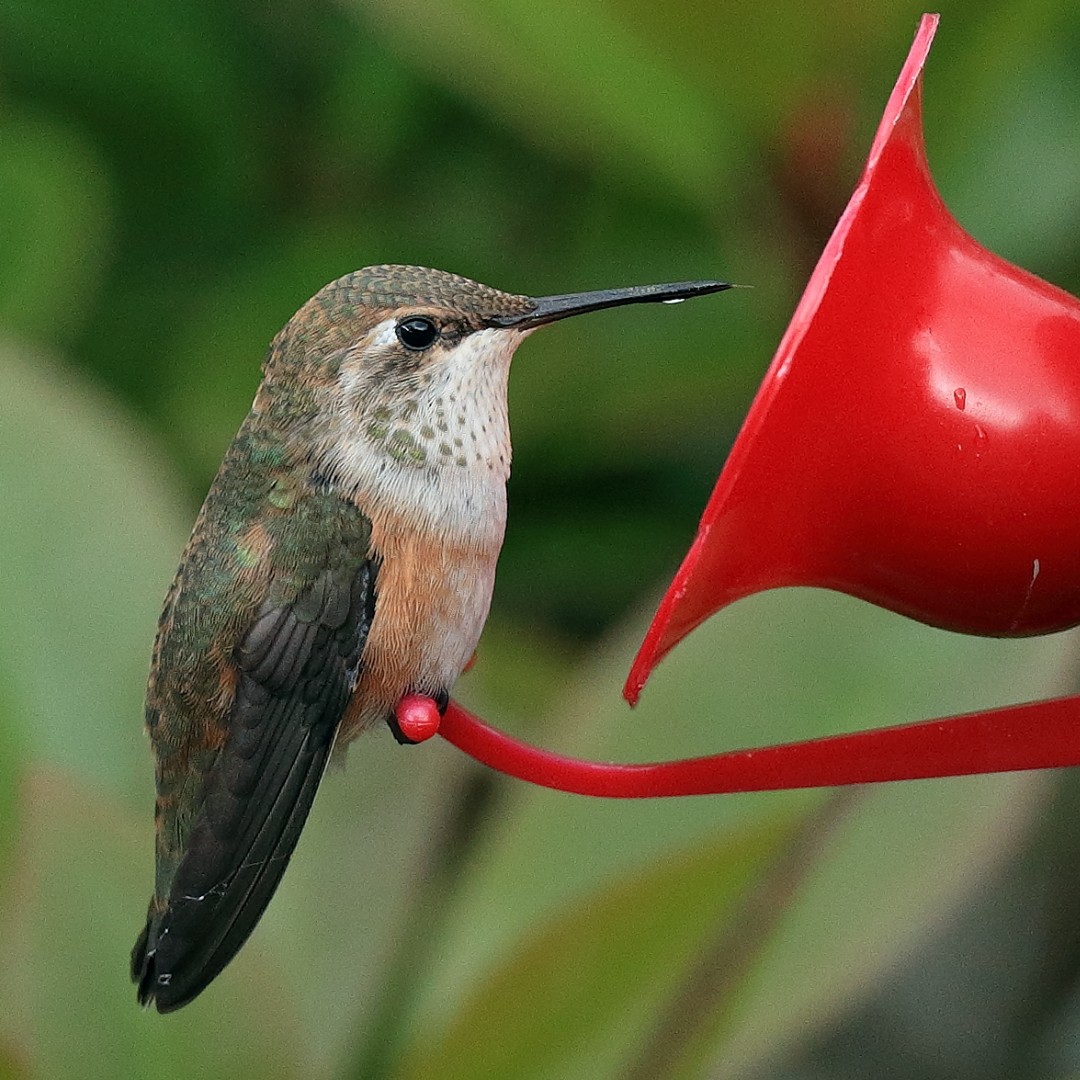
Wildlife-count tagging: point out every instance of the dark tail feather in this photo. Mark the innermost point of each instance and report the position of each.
(142, 961)
(236, 857)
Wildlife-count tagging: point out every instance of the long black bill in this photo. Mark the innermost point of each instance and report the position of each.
(550, 308)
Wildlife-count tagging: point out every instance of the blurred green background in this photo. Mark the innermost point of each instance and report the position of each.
(175, 180)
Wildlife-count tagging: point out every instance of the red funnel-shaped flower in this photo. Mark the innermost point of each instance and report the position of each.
(916, 440)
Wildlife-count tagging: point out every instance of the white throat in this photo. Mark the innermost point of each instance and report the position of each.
(439, 456)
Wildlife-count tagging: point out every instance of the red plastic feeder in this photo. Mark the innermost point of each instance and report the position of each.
(914, 444)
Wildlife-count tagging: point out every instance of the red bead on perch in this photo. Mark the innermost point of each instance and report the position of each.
(417, 717)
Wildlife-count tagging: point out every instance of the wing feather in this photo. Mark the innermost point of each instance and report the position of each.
(298, 665)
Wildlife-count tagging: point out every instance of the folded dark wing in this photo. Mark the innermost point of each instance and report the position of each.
(297, 667)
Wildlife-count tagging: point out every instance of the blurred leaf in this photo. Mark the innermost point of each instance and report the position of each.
(371, 93)
(1009, 99)
(11, 1067)
(55, 218)
(752, 60)
(572, 77)
(11, 761)
(578, 990)
(139, 69)
(83, 575)
(909, 859)
(73, 915)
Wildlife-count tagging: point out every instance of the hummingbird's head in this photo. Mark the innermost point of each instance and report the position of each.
(414, 362)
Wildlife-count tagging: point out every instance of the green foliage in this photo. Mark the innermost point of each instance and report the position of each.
(174, 181)
(78, 867)
(581, 989)
(10, 753)
(54, 227)
(84, 570)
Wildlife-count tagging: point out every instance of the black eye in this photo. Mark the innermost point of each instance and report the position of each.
(417, 333)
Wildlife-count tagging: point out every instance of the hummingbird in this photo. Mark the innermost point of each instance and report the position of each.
(344, 557)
